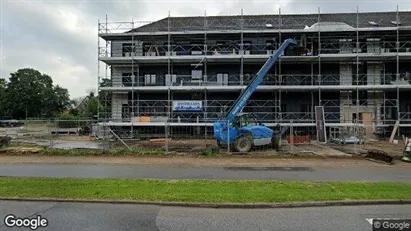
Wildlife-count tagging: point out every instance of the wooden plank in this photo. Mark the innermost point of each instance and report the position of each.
(394, 130)
(368, 122)
(320, 125)
(158, 140)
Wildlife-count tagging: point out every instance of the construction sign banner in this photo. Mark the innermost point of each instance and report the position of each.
(187, 105)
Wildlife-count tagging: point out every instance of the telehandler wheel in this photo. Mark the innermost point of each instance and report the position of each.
(276, 143)
(243, 144)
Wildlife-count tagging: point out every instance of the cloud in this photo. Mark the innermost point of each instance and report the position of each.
(59, 38)
(311, 6)
(50, 39)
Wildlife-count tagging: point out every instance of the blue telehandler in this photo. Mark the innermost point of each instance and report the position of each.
(241, 130)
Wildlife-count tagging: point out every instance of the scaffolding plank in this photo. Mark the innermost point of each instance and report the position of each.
(394, 130)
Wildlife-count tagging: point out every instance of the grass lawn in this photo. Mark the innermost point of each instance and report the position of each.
(199, 190)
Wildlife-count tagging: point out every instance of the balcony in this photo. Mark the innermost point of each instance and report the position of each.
(290, 80)
(159, 114)
(234, 49)
(185, 50)
(269, 110)
(373, 46)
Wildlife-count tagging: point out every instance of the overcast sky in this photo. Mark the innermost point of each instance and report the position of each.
(59, 38)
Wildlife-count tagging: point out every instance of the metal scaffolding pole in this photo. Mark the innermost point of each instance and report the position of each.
(398, 109)
(398, 68)
(276, 80)
(279, 63)
(398, 46)
(242, 50)
(319, 57)
(205, 47)
(168, 66)
(205, 114)
(133, 49)
(205, 67)
(312, 92)
(398, 102)
(138, 102)
(168, 42)
(384, 109)
(98, 68)
(107, 146)
(105, 101)
(357, 70)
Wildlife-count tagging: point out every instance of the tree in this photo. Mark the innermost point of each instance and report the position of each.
(93, 103)
(3, 85)
(30, 93)
(60, 101)
(105, 97)
(93, 107)
(86, 107)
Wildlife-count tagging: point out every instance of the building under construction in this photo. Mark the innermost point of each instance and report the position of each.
(187, 71)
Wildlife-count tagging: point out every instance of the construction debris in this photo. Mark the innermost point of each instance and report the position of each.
(21, 150)
(348, 140)
(379, 156)
(342, 135)
(394, 130)
(4, 140)
(407, 151)
(160, 140)
(298, 139)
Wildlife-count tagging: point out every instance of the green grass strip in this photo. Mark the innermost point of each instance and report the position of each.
(200, 190)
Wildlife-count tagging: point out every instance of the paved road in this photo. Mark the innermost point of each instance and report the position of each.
(83, 216)
(384, 173)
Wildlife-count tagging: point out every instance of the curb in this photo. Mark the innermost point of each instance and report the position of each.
(222, 205)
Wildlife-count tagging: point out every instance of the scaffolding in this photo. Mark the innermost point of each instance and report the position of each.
(344, 40)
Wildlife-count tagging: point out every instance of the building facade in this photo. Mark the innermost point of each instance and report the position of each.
(187, 71)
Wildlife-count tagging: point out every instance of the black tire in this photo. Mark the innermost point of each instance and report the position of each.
(276, 143)
(243, 144)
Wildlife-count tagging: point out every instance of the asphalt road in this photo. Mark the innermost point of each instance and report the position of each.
(384, 173)
(88, 216)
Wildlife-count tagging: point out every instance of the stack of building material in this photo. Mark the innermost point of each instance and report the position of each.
(158, 119)
(298, 139)
(160, 140)
(144, 119)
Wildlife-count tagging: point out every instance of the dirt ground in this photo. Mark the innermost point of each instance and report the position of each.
(72, 138)
(199, 145)
(391, 149)
(317, 155)
(41, 130)
(313, 148)
(236, 161)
